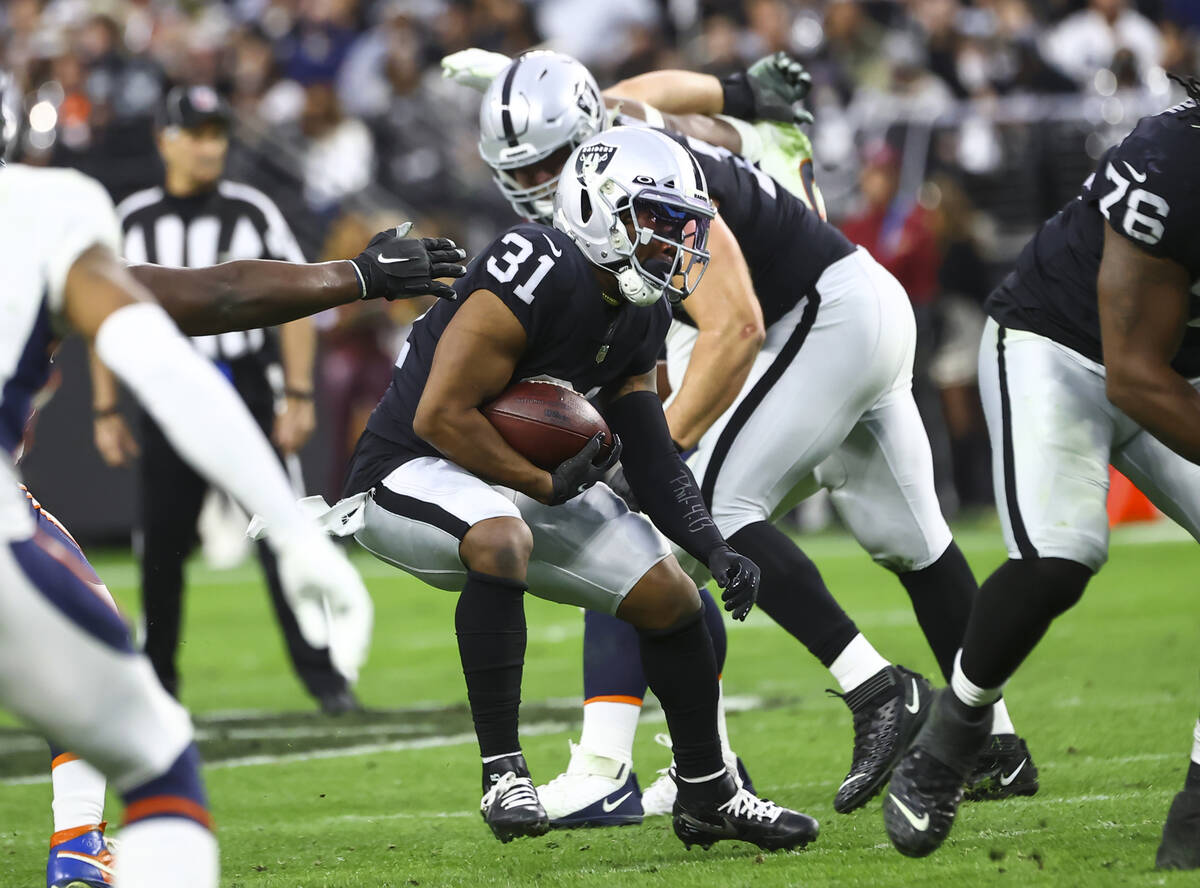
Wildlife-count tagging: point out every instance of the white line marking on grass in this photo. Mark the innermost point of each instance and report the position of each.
(532, 730)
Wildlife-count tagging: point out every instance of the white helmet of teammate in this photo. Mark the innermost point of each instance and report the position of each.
(625, 188)
(542, 104)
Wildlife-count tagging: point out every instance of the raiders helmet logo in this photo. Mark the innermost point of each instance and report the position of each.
(593, 160)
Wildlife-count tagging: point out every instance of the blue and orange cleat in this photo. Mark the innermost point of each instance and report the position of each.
(80, 858)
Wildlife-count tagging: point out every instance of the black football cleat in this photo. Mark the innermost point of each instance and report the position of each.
(927, 785)
(1180, 848)
(1005, 768)
(889, 708)
(719, 809)
(510, 803)
(339, 702)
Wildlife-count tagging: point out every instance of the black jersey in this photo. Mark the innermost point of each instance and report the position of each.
(572, 333)
(1147, 189)
(787, 245)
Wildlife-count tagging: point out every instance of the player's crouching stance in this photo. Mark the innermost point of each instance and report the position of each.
(445, 498)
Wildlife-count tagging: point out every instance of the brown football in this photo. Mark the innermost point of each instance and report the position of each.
(546, 423)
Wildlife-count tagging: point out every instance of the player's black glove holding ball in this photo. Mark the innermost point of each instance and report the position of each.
(394, 266)
(575, 475)
(738, 576)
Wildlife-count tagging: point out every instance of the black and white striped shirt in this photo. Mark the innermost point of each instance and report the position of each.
(233, 221)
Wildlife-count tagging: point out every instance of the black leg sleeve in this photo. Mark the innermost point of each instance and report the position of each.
(1016, 606)
(681, 669)
(792, 592)
(942, 595)
(490, 623)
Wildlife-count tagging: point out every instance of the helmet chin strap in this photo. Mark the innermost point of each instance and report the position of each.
(635, 288)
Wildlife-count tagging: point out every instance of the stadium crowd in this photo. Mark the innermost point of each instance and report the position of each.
(931, 135)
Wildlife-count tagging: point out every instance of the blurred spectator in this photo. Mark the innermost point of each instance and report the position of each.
(1107, 35)
(339, 155)
(963, 285)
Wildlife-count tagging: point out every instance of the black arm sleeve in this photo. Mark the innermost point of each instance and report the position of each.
(663, 485)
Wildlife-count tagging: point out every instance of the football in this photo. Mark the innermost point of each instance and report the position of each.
(546, 423)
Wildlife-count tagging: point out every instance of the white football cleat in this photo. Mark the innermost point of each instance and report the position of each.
(595, 791)
(659, 797)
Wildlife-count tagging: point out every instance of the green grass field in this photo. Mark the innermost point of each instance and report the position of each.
(1107, 704)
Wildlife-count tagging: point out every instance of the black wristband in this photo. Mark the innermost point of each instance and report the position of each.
(737, 97)
(107, 411)
(298, 394)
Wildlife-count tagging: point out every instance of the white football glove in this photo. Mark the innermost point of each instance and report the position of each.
(329, 599)
(474, 67)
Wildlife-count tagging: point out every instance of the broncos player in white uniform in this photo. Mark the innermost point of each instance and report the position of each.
(1091, 356)
(839, 340)
(58, 234)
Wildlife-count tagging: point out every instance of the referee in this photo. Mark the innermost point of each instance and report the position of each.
(197, 219)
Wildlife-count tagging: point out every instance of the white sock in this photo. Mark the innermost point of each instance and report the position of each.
(967, 691)
(857, 662)
(722, 728)
(1001, 721)
(78, 793)
(609, 729)
(171, 851)
(1196, 743)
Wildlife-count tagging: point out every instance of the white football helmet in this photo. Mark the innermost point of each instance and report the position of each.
(541, 104)
(623, 189)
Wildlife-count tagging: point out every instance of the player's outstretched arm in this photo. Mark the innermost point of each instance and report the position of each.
(730, 329)
(1143, 302)
(247, 294)
(667, 491)
(770, 89)
(474, 361)
(212, 430)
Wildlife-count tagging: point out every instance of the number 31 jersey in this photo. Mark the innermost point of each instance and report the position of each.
(1147, 189)
(572, 332)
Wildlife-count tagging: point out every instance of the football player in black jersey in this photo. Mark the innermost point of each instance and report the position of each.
(824, 401)
(435, 490)
(1090, 357)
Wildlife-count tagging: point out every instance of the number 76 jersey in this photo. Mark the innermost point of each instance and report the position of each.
(1147, 189)
(573, 331)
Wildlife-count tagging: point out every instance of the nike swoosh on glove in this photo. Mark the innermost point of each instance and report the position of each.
(474, 67)
(332, 607)
(738, 576)
(394, 266)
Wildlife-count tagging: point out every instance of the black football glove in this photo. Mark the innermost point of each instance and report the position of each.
(738, 576)
(620, 486)
(394, 266)
(770, 89)
(575, 475)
